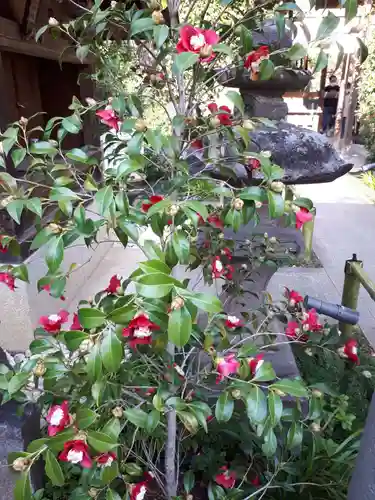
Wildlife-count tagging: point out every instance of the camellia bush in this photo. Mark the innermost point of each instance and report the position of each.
(152, 388)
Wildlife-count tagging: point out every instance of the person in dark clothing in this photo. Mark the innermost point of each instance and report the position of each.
(330, 100)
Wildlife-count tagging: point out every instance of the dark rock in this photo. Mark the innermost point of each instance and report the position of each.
(307, 157)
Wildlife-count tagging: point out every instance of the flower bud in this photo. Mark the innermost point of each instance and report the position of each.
(20, 464)
(244, 267)
(23, 121)
(315, 427)
(85, 346)
(93, 492)
(265, 236)
(40, 368)
(189, 497)
(113, 4)
(206, 51)
(248, 125)
(140, 125)
(119, 290)
(236, 394)
(367, 374)
(316, 393)
(258, 204)
(55, 228)
(53, 22)
(90, 101)
(81, 436)
(238, 204)
(277, 186)
(309, 352)
(173, 210)
(278, 392)
(247, 242)
(5, 201)
(177, 303)
(214, 122)
(157, 17)
(117, 412)
(273, 240)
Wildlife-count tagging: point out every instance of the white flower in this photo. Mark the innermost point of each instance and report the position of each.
(197, 41)
(367, 374)
(221, 236)
(258, 204)
(90, 101)
(234, 320)
(244, 266)
(53, 22)
(75, 457)
(308, 351)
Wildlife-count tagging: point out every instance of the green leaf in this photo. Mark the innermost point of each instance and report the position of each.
(224, 49)
(154, 286)
(224, 407)
(22, 489)
(153, 419)
(140, 25)
(72, 124)
(269, 446)
(181, 246)
(161, 32)
(111, 352)
(18, 155)
(112, 495)
(208, 303)
(256, 405)
(123, 314)
(189, 481)
(295, 435)
(198, 207)
(276, 204)
(351, 8)
(17, 382)
(94, 364)
(97, 390)
(296, 52)
(266, 69)
(327, 26)
(363, 50)
(137, 417)
(246, 40)
(55, 253)
(154, 265)
(21, 272)
(248, 349)
(35, 205)
(15, 208)
(90, 317)
(179, 326)
(275, 407)
(280, 25)
(265, 373)
(236, 99)
(41, 31)
(254, 193)
(184, 61)
(53, 469)
(158, 207)
(100, 442)
(104, 199)
(292, 387)
(112, 428)
(62, 193)
(82, 51)
(85, 417)
(321, 62)
(43, 148)
(77, 154)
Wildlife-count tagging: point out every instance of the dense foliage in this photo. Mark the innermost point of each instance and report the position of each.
(153, 387)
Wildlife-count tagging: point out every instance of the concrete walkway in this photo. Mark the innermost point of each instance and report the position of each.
(345, 224)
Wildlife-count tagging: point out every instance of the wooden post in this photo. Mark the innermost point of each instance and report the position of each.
(350, 294)
(323, 78)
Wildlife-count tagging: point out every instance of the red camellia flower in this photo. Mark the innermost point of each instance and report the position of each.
(139, 490)
(140, 330)
(53, 322)
(233, 322)
(2, 248)
(225, 116)
(350, 351)
(197, 144)
(255, 57)
(215, 220)
(76, 452)
(9, 280)
(256, 481)
(76, 325)
(218, 268)
(47, 288)
(311, 321)
(109, 117)
(226, 366)
(105, 459)
(151, 201)
(58, 418)
(227, 252)
(253, 164)
(197, 40)
(229, 270)
(255, 363)
(226, 478)
(293, 297)
(114, 284)
(302, 216)
(293, 331)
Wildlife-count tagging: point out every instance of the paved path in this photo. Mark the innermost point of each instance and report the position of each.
(345, 224)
